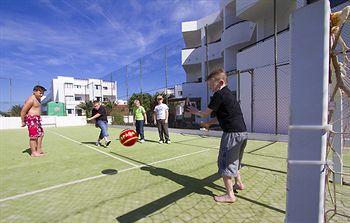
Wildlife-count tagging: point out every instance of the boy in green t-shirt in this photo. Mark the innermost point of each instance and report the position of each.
(140, 118)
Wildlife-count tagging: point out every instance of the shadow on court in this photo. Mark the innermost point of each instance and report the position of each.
(29, 151)
(190, 185)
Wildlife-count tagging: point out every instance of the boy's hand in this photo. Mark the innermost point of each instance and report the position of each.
(88, 119)
(146, 122)
(155, 122)
(192, 110)
(165, 121)
(205, 125)
(23, 124)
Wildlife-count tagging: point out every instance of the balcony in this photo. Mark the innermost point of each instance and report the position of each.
(214, 50)
(192, 39)
(261, 53)
(237, 33)
(193, 89)
(192, 56)
(256, 9)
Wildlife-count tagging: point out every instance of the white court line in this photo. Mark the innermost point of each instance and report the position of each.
(94, 177)
(97, 150)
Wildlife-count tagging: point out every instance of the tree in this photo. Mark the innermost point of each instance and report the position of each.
(145, 99)
(16, 111)
(109, 106)
(87, 107)
(4, 114)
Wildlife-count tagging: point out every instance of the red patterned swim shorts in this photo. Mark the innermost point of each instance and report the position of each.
(34, 126)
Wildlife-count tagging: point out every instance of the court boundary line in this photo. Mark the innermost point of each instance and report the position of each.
(90, 147)
(15, 197)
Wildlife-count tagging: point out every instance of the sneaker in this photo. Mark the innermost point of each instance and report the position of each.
(142, 141)
(97, 143)
(160, 141)
(107, 143)
(167, 142)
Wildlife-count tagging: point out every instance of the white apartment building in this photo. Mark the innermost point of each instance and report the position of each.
(72, 91)
(240, 39)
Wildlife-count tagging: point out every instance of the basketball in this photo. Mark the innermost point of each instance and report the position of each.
(128, 137)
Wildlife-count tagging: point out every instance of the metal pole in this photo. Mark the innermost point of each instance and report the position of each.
(111, 87)
(101, 83)
(252, 100)
(206, 60)
(238, 95)
(275, 64)
(10, 89)
(166, 76)
(127, 91)
(141, 80)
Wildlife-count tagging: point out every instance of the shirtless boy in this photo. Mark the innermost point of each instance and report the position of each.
(30, 116)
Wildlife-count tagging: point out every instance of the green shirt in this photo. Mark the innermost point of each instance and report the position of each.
(138, 113)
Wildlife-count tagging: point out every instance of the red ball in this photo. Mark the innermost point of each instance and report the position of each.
(128, 137)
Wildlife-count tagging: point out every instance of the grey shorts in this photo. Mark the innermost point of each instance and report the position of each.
(231, 152)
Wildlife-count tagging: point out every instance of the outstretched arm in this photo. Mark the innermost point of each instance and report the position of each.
(195, 111)
(93, 117)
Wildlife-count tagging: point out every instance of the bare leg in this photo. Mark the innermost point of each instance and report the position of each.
(39, 146)
(238, 182)
(33, 147)
(229, 197)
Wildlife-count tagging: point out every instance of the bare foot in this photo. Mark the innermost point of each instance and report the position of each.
(36, 154)
(40, 151)
(238, 187)
(224, 199)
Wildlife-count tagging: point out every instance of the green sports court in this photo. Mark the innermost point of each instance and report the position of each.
(76, 181)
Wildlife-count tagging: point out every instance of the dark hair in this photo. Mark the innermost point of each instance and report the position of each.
(39, 88)
(217, 75)
(96, 101)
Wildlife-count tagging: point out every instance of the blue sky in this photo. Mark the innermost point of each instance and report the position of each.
(41, 39)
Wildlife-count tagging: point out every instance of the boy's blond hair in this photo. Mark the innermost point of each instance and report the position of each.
(218, 75)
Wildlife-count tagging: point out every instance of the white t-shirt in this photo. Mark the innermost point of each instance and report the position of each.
(160, 110)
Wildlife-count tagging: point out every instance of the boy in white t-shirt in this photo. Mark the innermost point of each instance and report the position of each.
(160, 117)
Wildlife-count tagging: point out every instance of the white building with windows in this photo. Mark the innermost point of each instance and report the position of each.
(240, 39)
(72, 91)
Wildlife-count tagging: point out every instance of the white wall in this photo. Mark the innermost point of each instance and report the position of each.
(58, 121)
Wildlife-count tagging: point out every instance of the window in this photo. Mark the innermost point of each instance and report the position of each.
(69, 98)
(68, 85)
(77, 86)
(180, 93)
(98, 87)
(105, 88)
(70, 111)
(105, 99)
(78, 98)
(98, 98)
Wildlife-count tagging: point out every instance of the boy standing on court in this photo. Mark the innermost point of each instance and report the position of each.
(30, 116)
(160, 117)
(234, 137)
(140, 118)
(100, 115)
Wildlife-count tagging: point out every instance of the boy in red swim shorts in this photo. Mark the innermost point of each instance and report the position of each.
(30, 116)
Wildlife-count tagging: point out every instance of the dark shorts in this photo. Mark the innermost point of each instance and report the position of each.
(231, 152)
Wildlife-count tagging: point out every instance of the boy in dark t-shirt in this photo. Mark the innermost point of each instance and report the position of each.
(234, 138)
(100, 115)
